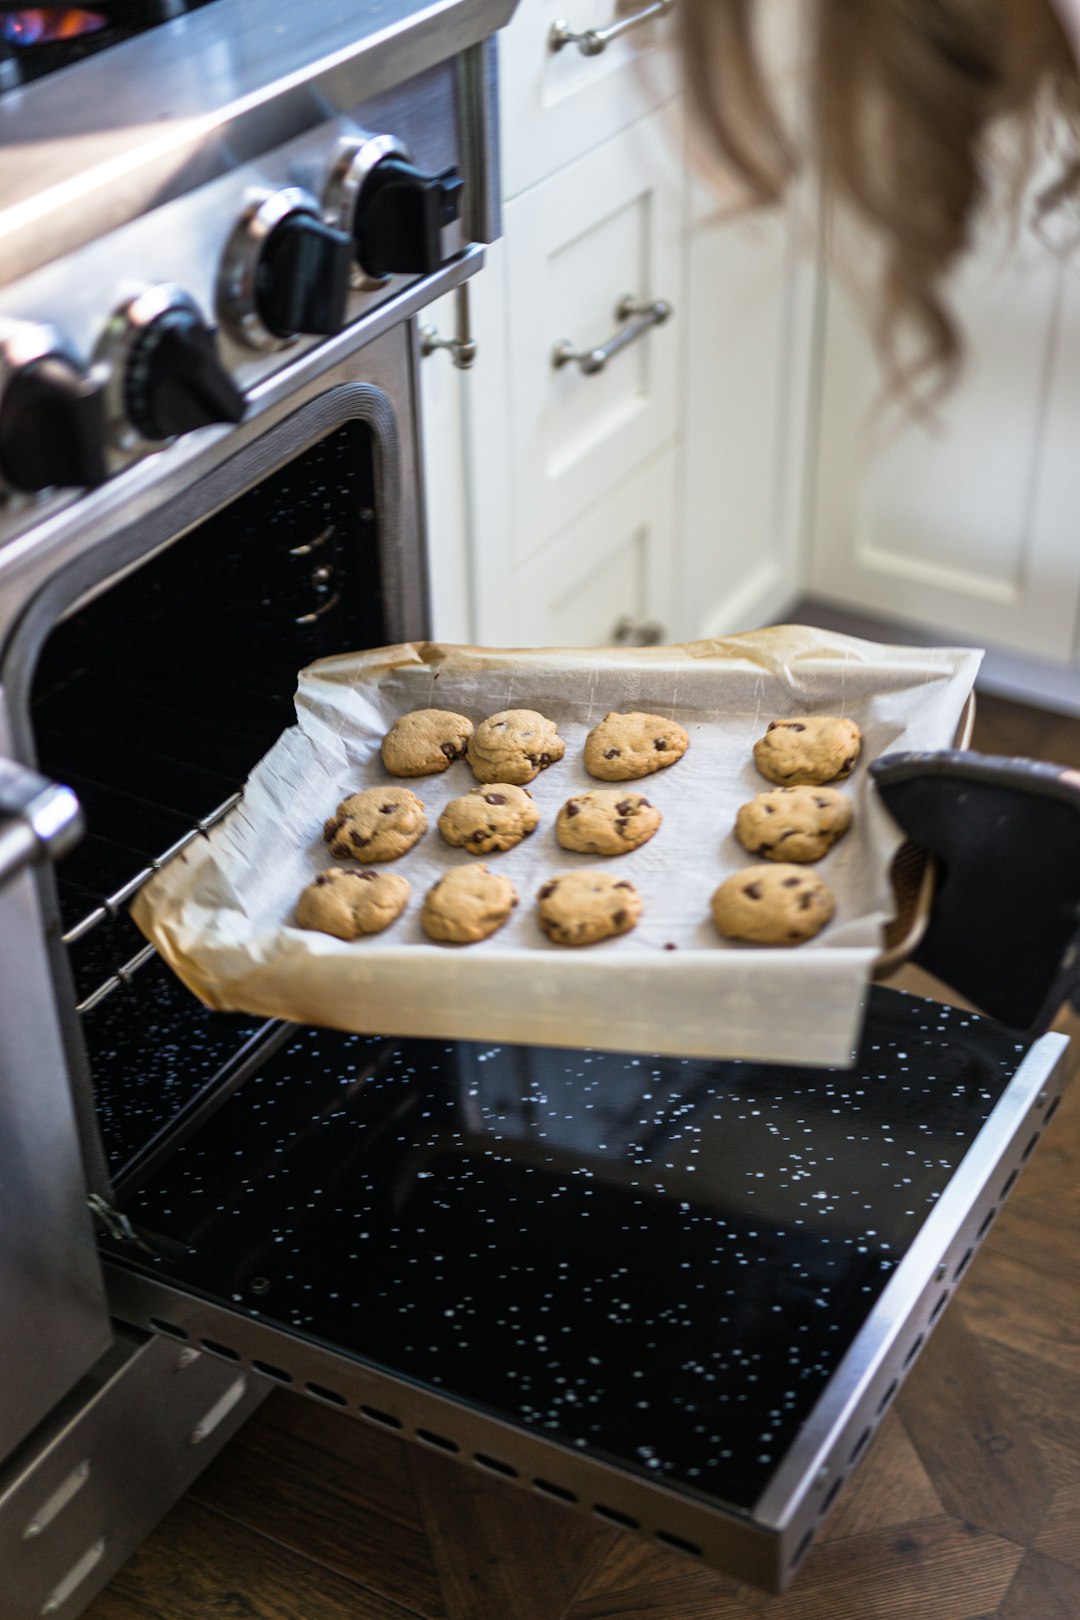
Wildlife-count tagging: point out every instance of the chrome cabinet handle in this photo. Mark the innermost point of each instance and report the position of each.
(462, 346)
(595, 40)
(37, 818)
(593, 360)
(628, 632)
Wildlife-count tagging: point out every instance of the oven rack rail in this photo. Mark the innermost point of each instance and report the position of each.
(112, 905)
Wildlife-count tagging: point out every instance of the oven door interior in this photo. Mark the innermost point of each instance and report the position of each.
(675, 1294)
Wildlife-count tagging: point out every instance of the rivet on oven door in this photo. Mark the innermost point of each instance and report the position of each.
(941, 1272)
(321, 577)
(259, 1285)
(185, 1359)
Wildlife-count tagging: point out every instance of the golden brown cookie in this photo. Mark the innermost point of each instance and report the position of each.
(348, 904)
(378, 824)
(493, 816)
(579, 908)
(607, 821)
(514, 746)
(793, 823)
(772, 905)
(425, 741)
(468, 904)
(813, 748)
(625, 746)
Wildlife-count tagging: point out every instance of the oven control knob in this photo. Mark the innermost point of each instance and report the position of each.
(285, 272)
(395, 212)
(171, 378)
(52, 417)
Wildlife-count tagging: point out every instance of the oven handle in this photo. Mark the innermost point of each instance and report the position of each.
(37, 818)
(1005, 926)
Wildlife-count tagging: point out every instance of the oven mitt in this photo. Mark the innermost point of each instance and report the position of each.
(1005, 926)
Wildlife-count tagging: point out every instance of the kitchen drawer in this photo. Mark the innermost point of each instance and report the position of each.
(558, 104)
(612, 568)
(608, 226)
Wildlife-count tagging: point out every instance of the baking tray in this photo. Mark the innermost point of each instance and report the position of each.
(221, 913)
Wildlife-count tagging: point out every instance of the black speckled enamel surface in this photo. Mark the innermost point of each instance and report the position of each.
(658, 1260)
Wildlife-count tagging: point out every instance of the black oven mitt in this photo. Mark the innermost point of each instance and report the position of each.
(1005, 926)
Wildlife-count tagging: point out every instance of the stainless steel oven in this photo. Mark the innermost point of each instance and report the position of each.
(675, 1295)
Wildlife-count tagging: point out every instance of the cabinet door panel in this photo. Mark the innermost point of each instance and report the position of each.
(965, 520)
(446, 511)
(607, 226)
(613, 565)
(559, 104)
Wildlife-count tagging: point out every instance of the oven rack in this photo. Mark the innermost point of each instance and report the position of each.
(111, 906)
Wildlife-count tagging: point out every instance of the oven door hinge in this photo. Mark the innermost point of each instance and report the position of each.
(120, 1228)
(37, 817)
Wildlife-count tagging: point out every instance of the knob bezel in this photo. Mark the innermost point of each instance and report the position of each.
(237, 306)
(357, 156)
(126, 325)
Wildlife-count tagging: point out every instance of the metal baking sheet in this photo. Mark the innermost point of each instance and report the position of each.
(221, 912)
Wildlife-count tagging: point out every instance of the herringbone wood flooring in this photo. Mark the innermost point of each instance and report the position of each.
(967, 1505)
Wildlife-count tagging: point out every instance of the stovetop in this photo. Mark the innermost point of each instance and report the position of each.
(658, 1261)
(39, 40)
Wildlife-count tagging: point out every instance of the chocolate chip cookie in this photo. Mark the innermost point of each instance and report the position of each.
(514, 746)
(494, 816)
(624, 746)
(772, 905)
(467, 904)
(378, 824)
(793, 823)
(579, 908)
(425, 741)
(348, 904)
(812, 748)
(609, 821)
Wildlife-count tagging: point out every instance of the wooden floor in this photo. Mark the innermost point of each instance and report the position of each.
(967, 1505)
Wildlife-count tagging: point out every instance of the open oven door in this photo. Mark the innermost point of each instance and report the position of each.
(54, 1324)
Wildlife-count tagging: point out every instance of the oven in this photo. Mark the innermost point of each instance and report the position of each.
(677, 1295)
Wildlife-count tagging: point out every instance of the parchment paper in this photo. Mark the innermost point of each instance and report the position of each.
(221, 912)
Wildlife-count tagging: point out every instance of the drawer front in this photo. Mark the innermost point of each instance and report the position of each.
(610, 575)
(605, 228)
(558, 104)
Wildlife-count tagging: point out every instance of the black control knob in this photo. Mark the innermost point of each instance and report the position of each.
(173, 380)
(52, 423)
(400, 215)
(302, 278)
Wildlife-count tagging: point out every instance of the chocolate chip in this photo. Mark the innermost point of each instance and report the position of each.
(660, 743)
(323, 879)
(545, 761)
(492, 827)
(624, 885)
(770, 809)
(822, 804)
(805, 902)
(494, 798)
(387, 809)
(331, 828)
(450, 750)
(549, 888)
(357, 840)
(753, 891)
(772, 725)
(794, 934)
(670, 947)
(792, 882)
(626, 808)
(796, 725)
(763, 849)
(366, 877)
(619, 918)
(572, 808)
(533, 760)
(613, 753)
(848, 763)
(621, 825)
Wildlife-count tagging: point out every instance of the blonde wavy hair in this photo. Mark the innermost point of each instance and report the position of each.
(903, 97)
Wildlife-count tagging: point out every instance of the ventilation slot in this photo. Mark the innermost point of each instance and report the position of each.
(859, 1447)
(834, 1491)
(1052, 1110)
(801, 1548)
(1029, 1150)
(494, 1464)
(1009, 1185)
(549, 1489)
(940, 1306)
(962, 1267)
(985, 1227)
(888, 1395)
(439, 1440)
(216, 1349)
(270, 1371)
(678, 1543)
(913, 1352)
(170, 1328)
(613, 1516)
(385, 1418)
(325, 1394)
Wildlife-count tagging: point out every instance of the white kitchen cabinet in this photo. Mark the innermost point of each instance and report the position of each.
(609, 573)
(446, 499)
(965, 522)
(607, 226)
(557, 105)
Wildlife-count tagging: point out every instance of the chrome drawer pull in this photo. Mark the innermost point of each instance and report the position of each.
(593, 360)
(595, 40)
